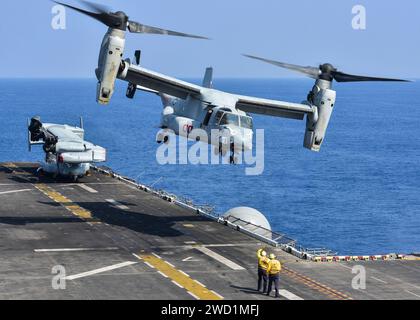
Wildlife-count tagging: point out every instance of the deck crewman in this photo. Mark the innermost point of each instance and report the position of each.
(262, 269)
(273, 271)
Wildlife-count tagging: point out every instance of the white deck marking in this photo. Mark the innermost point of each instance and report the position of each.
(412, 293)
(403, 282)
(177, 284)
(193, 295)
(190, 259)
(288, 295)
(221, 245)
(200, 283)
(15, 191)
(87, 188)
(342, 265)
(221, 259)
(157, 256)
(185, 274)
(101, 270)
(374, 278)
(117, 204)
(221, 297)
(76, 249)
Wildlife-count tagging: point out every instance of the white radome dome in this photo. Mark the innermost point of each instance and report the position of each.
(249, 215)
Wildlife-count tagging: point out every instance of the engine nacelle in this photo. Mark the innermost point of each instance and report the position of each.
(317, 124)
(110, 57)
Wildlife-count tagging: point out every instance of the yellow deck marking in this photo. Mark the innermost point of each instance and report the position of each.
(9, 165)
(13, 167)
(322, 288)
(192, 286)
(16, 170)
(65, 202)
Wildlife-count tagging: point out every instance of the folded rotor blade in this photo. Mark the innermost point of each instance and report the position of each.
(136, 27)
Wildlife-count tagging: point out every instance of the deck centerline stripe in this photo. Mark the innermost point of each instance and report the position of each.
(101, 270)
(229, 263)
(64, 201)
(179, 278)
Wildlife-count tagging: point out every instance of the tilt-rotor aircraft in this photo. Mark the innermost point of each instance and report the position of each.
(187, 106)
(66, 152)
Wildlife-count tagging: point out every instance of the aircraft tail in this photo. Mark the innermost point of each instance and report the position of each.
(208, 78)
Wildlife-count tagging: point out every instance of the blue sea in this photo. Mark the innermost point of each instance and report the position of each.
(359, 195)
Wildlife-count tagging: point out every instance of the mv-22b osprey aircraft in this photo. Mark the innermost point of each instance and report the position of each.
(187, 106)
(66, 152)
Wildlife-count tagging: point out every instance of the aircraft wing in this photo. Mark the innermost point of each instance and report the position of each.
(273, 107)
(159, 82)
(64, 133)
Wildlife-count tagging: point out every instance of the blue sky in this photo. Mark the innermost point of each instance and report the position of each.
(301, 31)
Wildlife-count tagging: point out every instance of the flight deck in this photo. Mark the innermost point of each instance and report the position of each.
(102, 238)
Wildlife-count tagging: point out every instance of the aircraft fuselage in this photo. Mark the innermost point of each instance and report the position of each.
(212, 114)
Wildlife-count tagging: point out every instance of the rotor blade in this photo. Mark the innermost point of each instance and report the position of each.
(97, 16)
(344, 77)
(99, 8)
(309, 71)
(136, 27)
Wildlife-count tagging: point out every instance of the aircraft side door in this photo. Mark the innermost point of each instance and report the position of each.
(207, 117)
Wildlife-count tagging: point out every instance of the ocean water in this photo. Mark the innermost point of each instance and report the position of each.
(359, 195)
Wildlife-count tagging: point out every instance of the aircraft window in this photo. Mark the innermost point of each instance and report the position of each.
(218, 116)
(246, 122)
(230, 118)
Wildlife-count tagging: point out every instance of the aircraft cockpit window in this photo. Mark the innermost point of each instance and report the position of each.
(218, 116)
(246, 122)
(230, 118)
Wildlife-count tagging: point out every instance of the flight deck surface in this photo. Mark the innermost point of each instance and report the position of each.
(118, 242)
